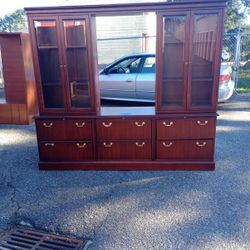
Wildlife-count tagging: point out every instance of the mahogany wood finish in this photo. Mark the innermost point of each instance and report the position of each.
(126, 129)
(124, 150)
(188, 129)
(186, 150)
(59, 129)
(66, 151)
(72, 131)
(19, 80)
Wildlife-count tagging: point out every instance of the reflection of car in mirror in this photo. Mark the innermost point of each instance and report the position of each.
(132, 78)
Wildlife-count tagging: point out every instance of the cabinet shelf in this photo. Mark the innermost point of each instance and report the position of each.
(47, 84)
(47, 47)
(76, 47)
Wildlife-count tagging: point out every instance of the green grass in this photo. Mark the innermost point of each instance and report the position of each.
(244, 79)
(243, 90)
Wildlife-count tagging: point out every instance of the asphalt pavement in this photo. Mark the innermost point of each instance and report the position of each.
(134, 209)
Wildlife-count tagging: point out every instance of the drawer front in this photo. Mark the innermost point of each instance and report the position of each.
(189, 128)
(65, 151)
(108, 129)
(190, 150)
(50, 129)
(133, 150)
(76, 129)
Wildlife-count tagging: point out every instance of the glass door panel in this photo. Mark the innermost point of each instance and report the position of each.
(48, 55)
(77, 62)
(173, 66)
(203, 55)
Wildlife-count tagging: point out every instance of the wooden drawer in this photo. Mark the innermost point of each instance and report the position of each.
(65, 151)
(190, 128)
(185, 150)
(123, 150)
(76, 129)
(118, 129)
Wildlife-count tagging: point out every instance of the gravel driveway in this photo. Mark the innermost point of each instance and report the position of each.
(130, 209)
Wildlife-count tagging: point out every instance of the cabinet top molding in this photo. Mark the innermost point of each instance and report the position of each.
(125, 7)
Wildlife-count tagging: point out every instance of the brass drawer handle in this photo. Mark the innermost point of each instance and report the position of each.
(202, 123)
(49, 144)
(203, 144)
(108, 145)
(167, 145)
(168, 124)
(48, 125)
(107, 125)
(80, 125)
(139, 124)
(140, 145)
(80, 145)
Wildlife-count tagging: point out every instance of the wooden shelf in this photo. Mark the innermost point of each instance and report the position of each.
(76, 47)
(47, 47)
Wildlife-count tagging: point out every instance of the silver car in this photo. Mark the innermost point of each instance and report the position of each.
(132, 78)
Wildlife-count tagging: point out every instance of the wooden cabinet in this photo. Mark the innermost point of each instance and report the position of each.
(64, 54)
(18, 99)
(188, 76)
(74, 133)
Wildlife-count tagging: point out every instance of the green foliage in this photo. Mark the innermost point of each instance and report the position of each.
(236, 13)
(14, 22)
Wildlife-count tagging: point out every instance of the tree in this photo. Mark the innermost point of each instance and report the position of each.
(236, 13)
(14, 22)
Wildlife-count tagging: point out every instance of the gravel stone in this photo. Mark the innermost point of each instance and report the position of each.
(135, 209)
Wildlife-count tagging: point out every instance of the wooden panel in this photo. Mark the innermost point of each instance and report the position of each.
(186, 128)
(129, 165)
(185, 150)
(23, 114)
(119, 129)
(15, 114)
(13, 69)
(5, 113)
(121, 150)
(66, 151)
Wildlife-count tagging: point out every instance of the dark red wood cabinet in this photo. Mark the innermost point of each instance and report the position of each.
(75, 133)
(19, 104)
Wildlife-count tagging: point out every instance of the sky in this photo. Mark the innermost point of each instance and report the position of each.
(9, 6)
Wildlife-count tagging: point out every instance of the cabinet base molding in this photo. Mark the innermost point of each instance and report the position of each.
(128, 165)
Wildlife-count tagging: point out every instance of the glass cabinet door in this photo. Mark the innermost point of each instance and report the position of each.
(203, 59)
(76, 57)
(173, 62)
(49, 62)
